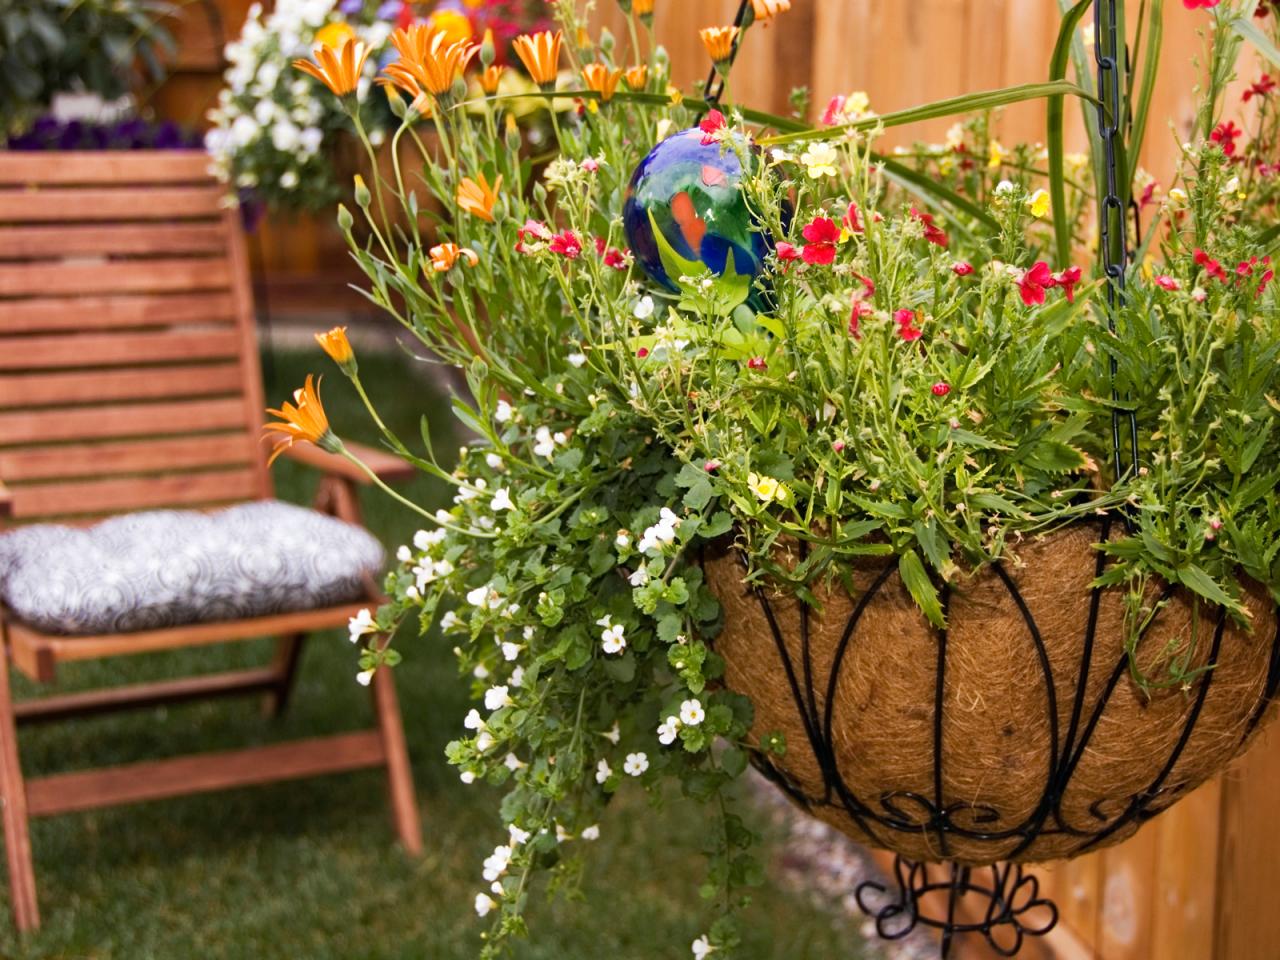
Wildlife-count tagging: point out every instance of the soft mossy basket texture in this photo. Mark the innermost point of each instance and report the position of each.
(854, 690)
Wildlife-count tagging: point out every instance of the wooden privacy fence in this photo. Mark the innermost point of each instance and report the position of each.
(1200, 882)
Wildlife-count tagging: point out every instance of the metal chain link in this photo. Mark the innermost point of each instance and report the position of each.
(1112, 213)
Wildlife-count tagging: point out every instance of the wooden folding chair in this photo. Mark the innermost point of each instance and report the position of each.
(129, 380)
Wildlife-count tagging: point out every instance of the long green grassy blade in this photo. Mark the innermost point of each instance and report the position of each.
(927, 187)
(1055, 136)
(1261, 42)
(969, 103)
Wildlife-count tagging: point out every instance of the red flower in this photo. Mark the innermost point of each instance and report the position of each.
(617, 259)
(642, 352)
(786, 252)
(868, 287)
(932, 232)
(1148, 195)
(1034, 283)
(860, 309)
(1200, 4)
(851, 221)
(1265, 84)
(532, 229)
(835, 107)
(1067, 280)
(907, 329)
(941, 389)
(1167, 282)
(756, 363)
(711, 125)
(1211, 266)
(1224, 135)
(822, 235)
(962, 269)
(566, 244)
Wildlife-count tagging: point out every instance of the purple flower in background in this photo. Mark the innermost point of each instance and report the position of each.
(351, 7)
(389, 10)
(133, 133)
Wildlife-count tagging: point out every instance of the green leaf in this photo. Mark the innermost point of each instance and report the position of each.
(1195, 579)
(1150, 70)
(733, 761)
(1245, 27)
(1055, 137)
(921, 587)
(931, 188)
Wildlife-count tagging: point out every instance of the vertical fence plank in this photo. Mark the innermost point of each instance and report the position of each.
(1185, 887)
(1126, 908)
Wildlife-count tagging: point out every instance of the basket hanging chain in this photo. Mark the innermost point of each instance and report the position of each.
(1112, 115)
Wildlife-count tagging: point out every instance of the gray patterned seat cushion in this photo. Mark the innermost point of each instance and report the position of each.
(164, 568)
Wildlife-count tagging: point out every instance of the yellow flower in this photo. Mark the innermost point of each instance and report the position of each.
(858, 104)
(767, 489)
(820, 160)
(332, 34)
(1177, 196)
(719, 42)
(338, 70)
(1038, 203)
(540, 54)
(304, 419)
(638, 77)
(445, 255)
(1077, 161)
(338, 347)
(477, 198)
(766, 10)
(601, 79)
(995, 155)
(490, 77)
(642, 8)
(453, 25)
(429, 58)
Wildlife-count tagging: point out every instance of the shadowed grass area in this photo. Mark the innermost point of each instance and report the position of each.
(309, 869)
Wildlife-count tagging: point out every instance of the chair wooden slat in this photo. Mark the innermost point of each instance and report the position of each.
(72, 205)
(79, 314)
(139, 383)
(123, 276)
(173, 454)
(121, 420)
(27, 243)
(105, 166)
(81, 497)
(115, 349)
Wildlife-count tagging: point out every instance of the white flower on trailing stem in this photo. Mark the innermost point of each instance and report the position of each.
(364, 677)
(623, 539)
(501, 500)
(473, 720)
(613, 734)
(481, 672)
(495, 698)
(469, 491)
(518, 836)
(591, 833)
(484, 741)
(361, 625)
(495, 865)
(517, 677)
(404, 554)
(612, 638)
(577, 359)
(661, 534)
(545, 445)
(637, 764)
(450, 620)
(503, 412)
(644, 308)
(702, 948)
(668, 730)
(494, 461)
(478, 597)
(603, 771)
(562, 834)
(513, 763)
(484, 903)
(691, 713)
(467, 777)
(510, 650)
(640, 577)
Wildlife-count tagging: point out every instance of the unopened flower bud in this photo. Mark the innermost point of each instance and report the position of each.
(345, 220)
(487, 49)
(362, 193)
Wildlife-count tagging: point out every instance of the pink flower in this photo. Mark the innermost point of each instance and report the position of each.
(642, 352)
(1211, 266)
(1034, 283)
(591, 164)
(1067, 280)
(786, 252)
(711, 466)
(838, 446)
(1167, 282)
(941, 389)
(566, 244)
(617, 259)
(1224, 135)
(907, 329)
(822, 235)
(711, 126)
(932, 232)
(757, 363)
(532, 230)
(1200, 4)
(860, 309)
(835, 107)
(962, 269)
(851, 221)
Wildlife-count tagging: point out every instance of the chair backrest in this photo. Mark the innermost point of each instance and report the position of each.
(129, 375)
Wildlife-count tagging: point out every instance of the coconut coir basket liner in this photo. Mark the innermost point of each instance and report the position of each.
(1013, 777)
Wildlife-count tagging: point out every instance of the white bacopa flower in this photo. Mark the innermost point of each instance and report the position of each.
(702, 948)
(503, 412)
(591, 833)
(603, 771)
(529, 632)
(481, 672)
(640, 577)
(562, 834)
(404, 554)
(517, 677)
(484, 741)
(484, 903)
(364, 677)
(450, 620)
(518, 836)
(644, 308)
(668, 730)
(577, 359)
(478, 597)
(493, 460)
(510, 650)
(467, 777)
(613, 639)
(473, 720)
(637, 764)
(512, 762)
(361, 624)
(613, 734)
(495, 865)
(495, 698)
(691, 713)
(426, 539)
(545, 445)
(501, 500)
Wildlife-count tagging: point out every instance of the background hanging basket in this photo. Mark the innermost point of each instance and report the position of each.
(1017, 734)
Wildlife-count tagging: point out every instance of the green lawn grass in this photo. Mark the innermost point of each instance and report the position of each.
(309, 869)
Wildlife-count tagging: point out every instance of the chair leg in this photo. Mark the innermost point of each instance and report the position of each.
(404, 804)
(13, 796)
(285, 666)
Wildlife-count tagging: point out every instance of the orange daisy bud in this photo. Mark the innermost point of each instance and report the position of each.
(445, 255)
(490, 77)
(338, 347)
(719, 42)
(540, 54)
(766, 10)
(638, 77)
(304, 419)
(338, 70)
(601, 79)
(477, 198)
(642, 8)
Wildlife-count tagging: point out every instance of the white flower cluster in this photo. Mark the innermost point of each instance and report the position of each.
(662, 534)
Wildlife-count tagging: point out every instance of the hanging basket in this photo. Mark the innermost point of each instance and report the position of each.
(1016, 734)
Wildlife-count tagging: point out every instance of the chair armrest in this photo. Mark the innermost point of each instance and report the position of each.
(388, 467)
(6, 501)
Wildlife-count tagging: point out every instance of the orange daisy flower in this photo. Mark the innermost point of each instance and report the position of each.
(445, 255)
(540, 54)
(430, 58)
(638, 77)
(477, 198)
(601, 79)
(642, 8)
(719, 42)
(304, 419)
(338, 70)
